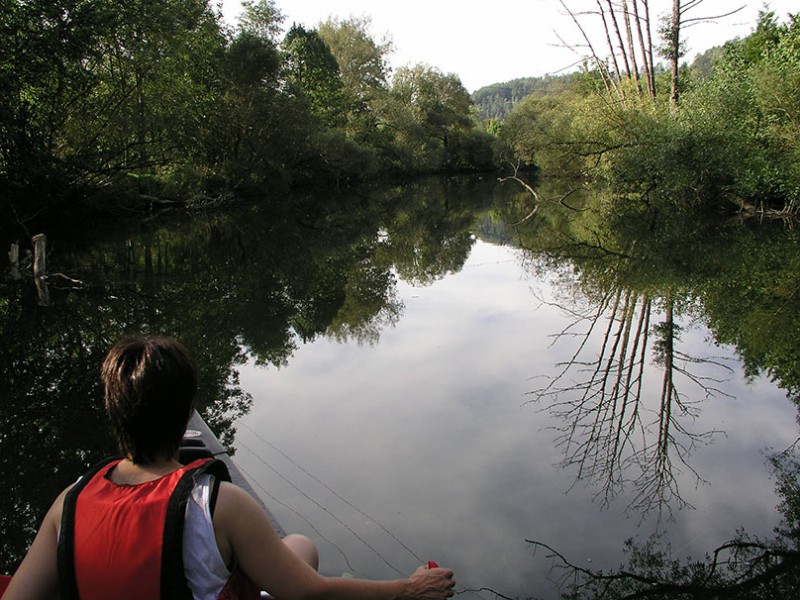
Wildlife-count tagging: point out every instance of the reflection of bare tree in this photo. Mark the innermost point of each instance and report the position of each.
(608, 433)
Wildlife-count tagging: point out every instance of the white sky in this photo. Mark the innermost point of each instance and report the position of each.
(499, 40)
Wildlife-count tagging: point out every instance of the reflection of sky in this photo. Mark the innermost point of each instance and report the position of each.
(427, 435)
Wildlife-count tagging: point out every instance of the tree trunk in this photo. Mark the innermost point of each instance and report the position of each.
(646, 46)
(629, 35)
(39, 255)
(40, 269)
(674, 42)
(619, 39)
(608, 40)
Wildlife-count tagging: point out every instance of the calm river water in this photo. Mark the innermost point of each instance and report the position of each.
(406, 383)
(425, 444)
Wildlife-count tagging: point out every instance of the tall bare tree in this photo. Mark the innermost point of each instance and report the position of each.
(645, 44)
(620, 19)
(673, 40)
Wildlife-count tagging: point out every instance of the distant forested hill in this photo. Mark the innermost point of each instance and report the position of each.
(495, 101)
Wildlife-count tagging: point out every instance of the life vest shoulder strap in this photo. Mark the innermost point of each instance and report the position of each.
(68, 583)
(173, 578)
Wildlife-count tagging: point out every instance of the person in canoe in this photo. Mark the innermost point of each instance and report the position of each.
(147, 527)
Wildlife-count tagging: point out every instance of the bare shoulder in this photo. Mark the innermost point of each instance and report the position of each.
(243, 529)
(37, 575)
(235, 507)
(232, 497)
(53, 516)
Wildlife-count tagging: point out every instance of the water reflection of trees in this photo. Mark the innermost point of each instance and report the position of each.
(745, 567)
(628, 396)
(642, 271)
(247, 284)
(430, 237)
(613, 434)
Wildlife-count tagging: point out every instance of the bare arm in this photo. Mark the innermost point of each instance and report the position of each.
(37, 575)
(276, 569)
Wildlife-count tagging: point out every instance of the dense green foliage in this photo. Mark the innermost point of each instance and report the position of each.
(159, 100)
(733, 137)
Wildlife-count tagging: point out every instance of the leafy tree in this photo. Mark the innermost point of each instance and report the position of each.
(155, 76)
(41, 49)
(766, 36)
(148, 101)
(261, 18)
(431, 110)
(312, 71)
(102, 91)
(755, 87)
(538, 132)
(364, 72)
(257, 135)
(732, 140)
(277, 127)
(777, 79)
(361, 60)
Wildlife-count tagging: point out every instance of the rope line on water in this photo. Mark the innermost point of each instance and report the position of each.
(286, 506)
(325, 510)
(463, 590)
(332, 491)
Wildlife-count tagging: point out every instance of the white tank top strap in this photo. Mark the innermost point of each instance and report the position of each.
(206, 572)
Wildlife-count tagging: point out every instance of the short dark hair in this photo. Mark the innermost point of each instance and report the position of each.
(150, 386)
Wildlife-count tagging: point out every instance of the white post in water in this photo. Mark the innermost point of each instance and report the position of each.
(39, 255)
(13, 258)
(40, 268)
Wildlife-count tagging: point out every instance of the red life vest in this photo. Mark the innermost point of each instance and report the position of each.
(126, 542)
